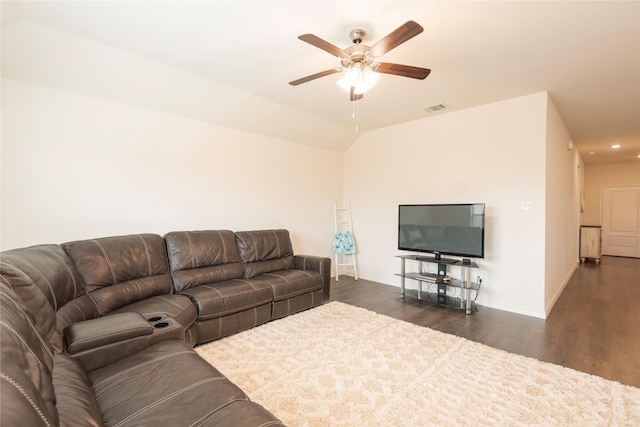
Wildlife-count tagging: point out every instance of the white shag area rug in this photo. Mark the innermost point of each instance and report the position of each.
(340, 365)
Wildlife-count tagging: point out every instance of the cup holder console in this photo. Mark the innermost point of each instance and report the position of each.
(160, 321)
(164, 327)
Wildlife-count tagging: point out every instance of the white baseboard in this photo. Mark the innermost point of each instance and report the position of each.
(553, 300)
(395, 283)
(511, 309)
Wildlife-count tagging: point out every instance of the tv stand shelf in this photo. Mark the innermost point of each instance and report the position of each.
(448, 261)
(459, 293)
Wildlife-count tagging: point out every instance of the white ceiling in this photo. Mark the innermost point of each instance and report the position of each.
(182, 57)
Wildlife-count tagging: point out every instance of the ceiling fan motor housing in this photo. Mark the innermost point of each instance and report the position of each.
(358, 53)
(357, 35)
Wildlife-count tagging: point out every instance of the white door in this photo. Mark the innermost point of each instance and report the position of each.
(621, 221)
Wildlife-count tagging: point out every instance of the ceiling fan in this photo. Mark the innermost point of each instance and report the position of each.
(360, 62)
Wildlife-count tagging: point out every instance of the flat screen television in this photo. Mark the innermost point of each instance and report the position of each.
(453, 229)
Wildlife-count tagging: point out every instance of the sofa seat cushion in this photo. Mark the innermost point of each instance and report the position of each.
(75, 401)
(231, 296)
(178, 307)
(168, 384)
(242, 413)
(291, 283)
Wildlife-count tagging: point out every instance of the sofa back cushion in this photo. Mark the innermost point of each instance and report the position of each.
(202, 257)
(45, 278)
(121, 270)
(264, 251)
(27, 396)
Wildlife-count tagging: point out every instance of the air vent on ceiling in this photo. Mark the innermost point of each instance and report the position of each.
(436, 107)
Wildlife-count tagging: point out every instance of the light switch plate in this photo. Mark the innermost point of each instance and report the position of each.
(526, 205)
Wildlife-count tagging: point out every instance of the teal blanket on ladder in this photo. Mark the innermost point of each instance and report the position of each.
(343, 243)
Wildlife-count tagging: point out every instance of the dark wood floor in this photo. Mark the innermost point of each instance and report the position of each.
(594, 327)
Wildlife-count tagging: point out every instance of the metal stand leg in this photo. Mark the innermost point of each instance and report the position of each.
(467, 291)
(402, 278)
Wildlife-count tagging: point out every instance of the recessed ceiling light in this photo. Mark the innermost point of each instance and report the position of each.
(615, 146)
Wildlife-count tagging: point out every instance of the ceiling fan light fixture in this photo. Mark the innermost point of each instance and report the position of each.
(354, 74)
(369, 78)
(359, 77)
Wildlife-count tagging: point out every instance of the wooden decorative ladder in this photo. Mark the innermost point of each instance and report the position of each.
(344, 246)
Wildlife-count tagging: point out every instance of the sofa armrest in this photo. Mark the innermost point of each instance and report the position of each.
(315, 263)
(98, 342)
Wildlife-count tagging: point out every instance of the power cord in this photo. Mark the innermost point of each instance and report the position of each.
(479, 282)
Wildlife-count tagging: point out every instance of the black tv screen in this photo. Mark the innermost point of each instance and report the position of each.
(455, 229)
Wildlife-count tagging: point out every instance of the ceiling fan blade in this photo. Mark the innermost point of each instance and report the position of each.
(353, 96)
(403, 33)
(315, 76)
(403, 70)
(324, 45)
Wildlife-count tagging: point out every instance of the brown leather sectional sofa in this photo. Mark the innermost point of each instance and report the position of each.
(100, 331)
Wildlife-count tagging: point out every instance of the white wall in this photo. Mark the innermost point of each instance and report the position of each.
(493, 154)
(76, 167)
(562, 218)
